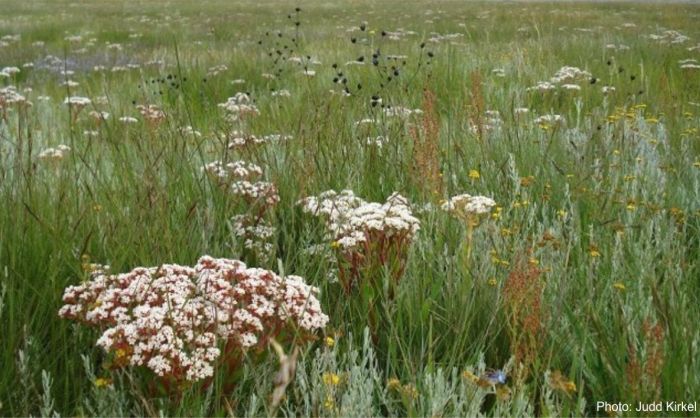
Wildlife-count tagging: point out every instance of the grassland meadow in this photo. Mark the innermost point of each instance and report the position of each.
(349, 208)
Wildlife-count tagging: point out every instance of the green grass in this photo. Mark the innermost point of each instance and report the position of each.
(620, 179)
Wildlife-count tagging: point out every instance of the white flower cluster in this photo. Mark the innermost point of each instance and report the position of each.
(542, 86)
(8, 72)
(77, 101)
(281, 93)
(216, 70)
(401, 112)
(377, 141)
(128, 119)
(689, 64)
(256, 234)
(99, 116)
(669, 37)
(9, 39)
(190, 131)
(151, 113)
(241, 179)
(465, 206)
(256, 191)
(10, 96)
(239, 106)
(236, 170)
(173, 318)
(574, 87)
(352, 222)
(239, 140)
(549, 119)
(490, 122)
(54, 154)
(566, 76)
(436, 37)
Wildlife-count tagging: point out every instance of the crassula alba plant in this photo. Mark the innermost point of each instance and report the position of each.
(371, 241)
(183, 322)
(470, 210)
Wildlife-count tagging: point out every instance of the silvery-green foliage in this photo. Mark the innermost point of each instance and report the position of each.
(516, 405)
(364, 382)
(441, 396)
(105, 401)
(47, 403)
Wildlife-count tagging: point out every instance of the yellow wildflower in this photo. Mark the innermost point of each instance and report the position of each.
(102, 382)
(619, 286)
(527, 181)
(329, 341)
(331, 379)
(393, 384)
(474, 174)
(558, 381)
(593, 251)
(469, 375)
(410, 391)
(497, 213)
(329, 403)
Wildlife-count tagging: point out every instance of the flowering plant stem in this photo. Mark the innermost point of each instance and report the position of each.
(471, 224)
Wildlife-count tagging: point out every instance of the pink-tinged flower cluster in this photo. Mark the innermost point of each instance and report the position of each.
(10, 96)
(468, 207)
(173, 319)
(152, 114)
(242, 180)
(367, 234)
(239, 107)
(236, 170)
(351, 221)
(238, 140)
(54, 154)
